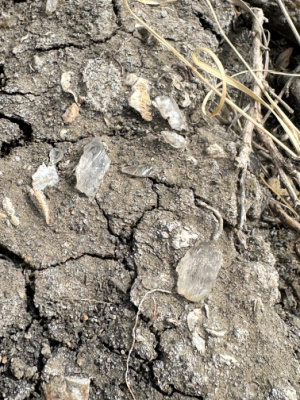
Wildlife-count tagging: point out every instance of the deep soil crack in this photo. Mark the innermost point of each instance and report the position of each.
(26, 136)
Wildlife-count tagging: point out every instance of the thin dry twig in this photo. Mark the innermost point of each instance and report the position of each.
(242, 198)
(255, 110)
(289, 20)
(279, 196)
(284, 217)
(243, 158)
(134, 335)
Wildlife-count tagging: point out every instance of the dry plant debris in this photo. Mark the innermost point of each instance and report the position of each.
(254, 119)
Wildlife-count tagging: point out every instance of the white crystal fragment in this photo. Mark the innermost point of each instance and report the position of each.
(140, 98)
(44, 176)
(169, 110)
(77, 388)
(183, 238)
(198, 342)
(51, 6)
(174, 140)
(187, 101)
(198, 270)
(8, 206)
(92, 166)
(194, 318)
(141, 171)
(55, 155)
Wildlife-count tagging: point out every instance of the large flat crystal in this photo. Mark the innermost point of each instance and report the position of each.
(92, 167)
(198, 270)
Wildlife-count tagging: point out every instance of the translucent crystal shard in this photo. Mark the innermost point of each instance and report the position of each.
(174, 140)
(141, 171)
(198, 270)
(55, 155)
(92, 167)
(169, 110)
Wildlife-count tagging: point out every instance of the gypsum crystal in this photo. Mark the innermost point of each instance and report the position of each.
(198, 270)
(55, 155)
(174, 140)
(92, 166)
(140, 171)
(169, 110)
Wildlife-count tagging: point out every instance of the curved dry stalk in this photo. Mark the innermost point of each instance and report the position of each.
(217, 214)
(229, 80)
(134, 335)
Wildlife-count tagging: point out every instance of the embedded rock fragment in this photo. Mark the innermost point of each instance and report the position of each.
(198, 270)
(39, 200)
(8, 206)
(71, 114)
(93, 165)
(169, 110)
(140, 98)
(78, 388)
(10, 211)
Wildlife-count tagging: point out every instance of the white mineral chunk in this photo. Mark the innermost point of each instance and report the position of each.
(194, 318)
(51, 6)
(183, 238)
(8, 206)
(198, 270)
(78, 388)
(198, 342)
(141, 171)
(187, 101)
(169, 110)
(92, 167)
(140, 98)
(44, 176)
(174, 140)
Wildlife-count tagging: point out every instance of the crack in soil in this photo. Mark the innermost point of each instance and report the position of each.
(26, 137)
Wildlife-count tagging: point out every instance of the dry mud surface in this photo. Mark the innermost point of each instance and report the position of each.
(69, 291)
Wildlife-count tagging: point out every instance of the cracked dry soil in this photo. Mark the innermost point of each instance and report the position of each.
(69, 291)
